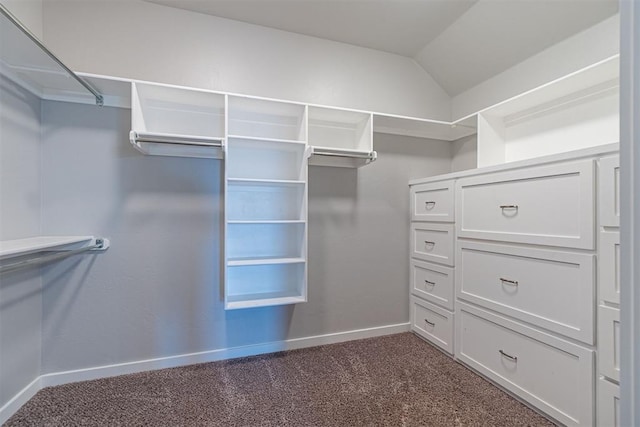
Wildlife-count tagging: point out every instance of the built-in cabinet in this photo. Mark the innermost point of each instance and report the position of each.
(530, 258)
(535, 245)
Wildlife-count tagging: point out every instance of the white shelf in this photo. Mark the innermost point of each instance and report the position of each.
(20, 247)
(264, 261)
(267, 140)
(264, 181)
(293, 221)
(422, 128)
(263, 300)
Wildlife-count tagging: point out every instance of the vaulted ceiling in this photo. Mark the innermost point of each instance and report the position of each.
(460, 43)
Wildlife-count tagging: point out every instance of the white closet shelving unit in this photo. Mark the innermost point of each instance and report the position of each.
(27, 62)
(265, 203)
(170, 121)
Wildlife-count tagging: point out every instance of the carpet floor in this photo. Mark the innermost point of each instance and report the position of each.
(396, 380)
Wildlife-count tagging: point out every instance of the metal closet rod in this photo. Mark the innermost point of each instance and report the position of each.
(60, 254)
(28, 33)
(345, 154)
(175, 139)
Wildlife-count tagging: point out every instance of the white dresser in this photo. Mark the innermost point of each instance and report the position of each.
(533, 259)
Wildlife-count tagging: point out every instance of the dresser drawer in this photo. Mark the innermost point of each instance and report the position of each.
(432, 242)
(552, 374)
(550, 205)
(609, 273)
(609, 191)
(608, 403)
(551, 289)
(609, 342)
(432, 323)
(432, 202)
(432, 282)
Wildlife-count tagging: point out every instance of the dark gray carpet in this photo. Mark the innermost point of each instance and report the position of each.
(397, 380)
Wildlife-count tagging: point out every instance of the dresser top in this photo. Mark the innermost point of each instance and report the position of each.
(598, 151)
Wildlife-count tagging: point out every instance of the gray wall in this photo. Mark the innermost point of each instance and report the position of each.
(146, 41)
(464, 153)
(20, 192)
(156, 291)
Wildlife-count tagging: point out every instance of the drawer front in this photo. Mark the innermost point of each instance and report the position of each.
(550, 205)
(609, 267)
(432, 323)
(432, 242)
(609, 191)
(608, 404)
(551, 289)
(432, 282)
(432, 202)
(609, 342)
(552, 374)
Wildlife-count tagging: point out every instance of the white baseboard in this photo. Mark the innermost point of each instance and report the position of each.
(59, 378)
(12, 406)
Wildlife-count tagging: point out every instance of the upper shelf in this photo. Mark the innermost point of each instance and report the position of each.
(422, 128)
(600, 78)
(19, 247)
(25, 60)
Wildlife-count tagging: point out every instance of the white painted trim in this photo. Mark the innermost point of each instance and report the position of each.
(12, 406)
(59, 378)
(629, 213)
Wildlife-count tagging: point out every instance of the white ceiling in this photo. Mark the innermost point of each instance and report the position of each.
(460, 43)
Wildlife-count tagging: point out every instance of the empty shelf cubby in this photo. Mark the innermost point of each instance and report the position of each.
(251, 117)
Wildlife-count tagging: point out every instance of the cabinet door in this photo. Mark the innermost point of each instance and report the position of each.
(609, 191)
(432, 202)
(548, 205)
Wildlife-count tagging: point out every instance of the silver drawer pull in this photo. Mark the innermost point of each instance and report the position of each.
(429, 203)
(429, 283)
(429, 323)
(508, 356)
(509, 282)
(509, 207)
(427, 242)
